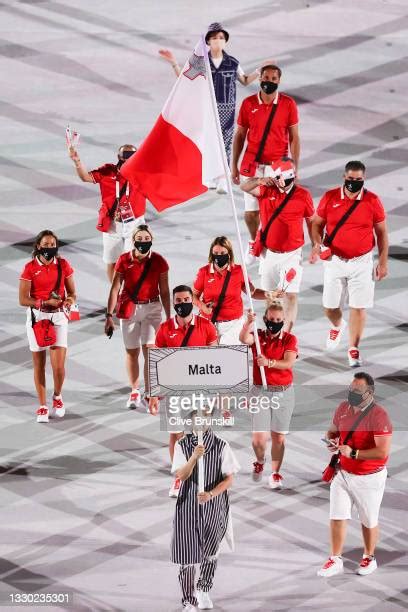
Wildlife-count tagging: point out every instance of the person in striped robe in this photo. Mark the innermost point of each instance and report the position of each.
(201, 520)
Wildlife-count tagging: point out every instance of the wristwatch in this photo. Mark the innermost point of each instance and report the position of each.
(354, 453)
(108, 315)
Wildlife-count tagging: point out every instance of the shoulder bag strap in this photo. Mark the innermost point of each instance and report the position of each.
(361, 416)
(220, 300)
(57, 284)
(187, 336)
(266, 132)
(276, 213)
(141, 280)
(330, 237)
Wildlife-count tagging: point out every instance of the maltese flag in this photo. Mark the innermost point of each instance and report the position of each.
(181, 155)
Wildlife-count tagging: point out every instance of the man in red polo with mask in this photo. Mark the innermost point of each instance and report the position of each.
(122, 207)
(353, 219)
(283, 207)
(268, 123)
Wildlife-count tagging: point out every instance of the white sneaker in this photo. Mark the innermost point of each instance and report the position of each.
(250, 258)
(135, 400)
(333, 566)
(354, 358)
(368, 565)
(204, 600)
(189, 608)
(275, 481)
(257, 471)
(222, 187)
(58, 408)
(211, 184)
(175, 488)
(334, 336)
(42, 414)
(228, 419)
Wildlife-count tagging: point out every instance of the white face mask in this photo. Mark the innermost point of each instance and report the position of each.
(217, 44)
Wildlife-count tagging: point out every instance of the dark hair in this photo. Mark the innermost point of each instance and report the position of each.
(224, 242)
(271, 67)
(367, 377)
(181, 288)
(354, 165)
(38, 239)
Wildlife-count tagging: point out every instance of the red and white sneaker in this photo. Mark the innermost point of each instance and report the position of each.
(42, 414)
(334, 336)
(275, 481)
(354, 358)
(58, 408)
(257, 471)
(228, 419)
(135, 400)
(368, 565)
(250, 257)
(175, 488)
(332, 567)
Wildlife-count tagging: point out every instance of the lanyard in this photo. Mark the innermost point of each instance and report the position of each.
(118, 190)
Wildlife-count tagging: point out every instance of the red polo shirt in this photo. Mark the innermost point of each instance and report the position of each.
(170, 334)
(286, 232)
(106, 176)
(356, 236)
(132, 268)
(209, 282)
(274, 348)
(43, 277)
(376, 423)
(253, 115)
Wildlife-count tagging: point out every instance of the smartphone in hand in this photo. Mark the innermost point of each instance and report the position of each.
(329, 442)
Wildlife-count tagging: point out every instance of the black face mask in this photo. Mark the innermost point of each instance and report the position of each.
(288, 182)
(273, 326)
(221, 260)
(268, 87)
(48, 252)
(143, 247)
(184, 309)
(355, 398)
(126, 154)
(353, 185)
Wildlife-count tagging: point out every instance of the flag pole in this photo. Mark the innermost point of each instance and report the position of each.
(231, 198)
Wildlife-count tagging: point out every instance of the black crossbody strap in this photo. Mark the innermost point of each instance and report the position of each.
(57, 284)
(141, 280)
(188, 335)
(330, 237)
(220, 300)
(276, 213)
(266, 132)
(361, 416)
(114, 206)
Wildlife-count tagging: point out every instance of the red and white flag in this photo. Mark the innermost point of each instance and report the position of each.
(182, 153)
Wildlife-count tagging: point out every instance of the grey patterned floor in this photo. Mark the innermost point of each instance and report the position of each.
(84, 505)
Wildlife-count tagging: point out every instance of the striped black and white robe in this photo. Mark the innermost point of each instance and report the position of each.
(198, 529)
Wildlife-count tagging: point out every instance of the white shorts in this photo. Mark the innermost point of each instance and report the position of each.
(118, 239)
(355, 276)
(273, 268)
(363, 492)
(251, 202)
(228, 331)
(61, 328)
(271, 410)
(142, 327)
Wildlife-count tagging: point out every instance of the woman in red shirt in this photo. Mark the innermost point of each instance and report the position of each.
(141, 277)
(279, 352)
(46, 287)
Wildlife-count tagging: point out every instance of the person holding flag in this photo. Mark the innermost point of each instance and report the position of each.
(122, 208)
(283, 206)
(225, 71)
(202, 519)
(279, 353)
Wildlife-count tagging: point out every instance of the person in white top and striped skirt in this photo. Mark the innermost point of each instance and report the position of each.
(201, 520)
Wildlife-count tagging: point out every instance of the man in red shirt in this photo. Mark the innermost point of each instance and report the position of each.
(349, 264)
(282, 135)
(281, 243)
(172, 333)
(362, 473)
(271, 409)
(122, 207)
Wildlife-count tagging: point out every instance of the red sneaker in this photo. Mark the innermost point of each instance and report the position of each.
(368, 565)
(58, 408)
(275, 481)
(257, 471)
(354, 358)
(42, 414)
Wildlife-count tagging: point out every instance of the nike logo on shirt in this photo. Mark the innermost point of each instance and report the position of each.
(172, 335)
(336, 205)
(39, 272)
(254, 110)
(211, 280)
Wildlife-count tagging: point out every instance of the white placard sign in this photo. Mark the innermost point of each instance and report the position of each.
(221, 369)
